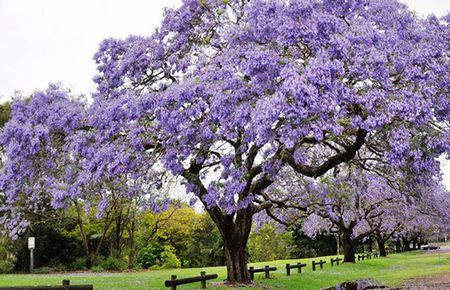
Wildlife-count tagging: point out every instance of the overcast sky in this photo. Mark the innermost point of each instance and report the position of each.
(44, 41)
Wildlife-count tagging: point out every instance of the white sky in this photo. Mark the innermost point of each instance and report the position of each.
(44, 41)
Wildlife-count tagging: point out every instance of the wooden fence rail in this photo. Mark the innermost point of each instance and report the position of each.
(65, 286)
(336, 260)
(266, 270)
(174, 282)
(299, 267)
(314, 263)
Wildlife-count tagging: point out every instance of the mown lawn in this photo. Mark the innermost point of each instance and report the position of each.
(389, 271)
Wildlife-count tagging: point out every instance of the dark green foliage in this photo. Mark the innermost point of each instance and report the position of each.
(5, 111)
(268, 245)
(53, 248)
(78, 264)
(113, 264)
(150, 255)
(6, 266)
(205, 246)
(305, 247)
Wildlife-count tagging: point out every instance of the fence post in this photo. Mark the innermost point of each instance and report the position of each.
(314, 266)
(173, 277)
(299, 269)
(66, 282)
(288, 269)
(252, 275)
(321, 264)
(267, 272)
(203, 281)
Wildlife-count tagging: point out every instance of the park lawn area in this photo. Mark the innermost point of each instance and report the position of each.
(391, 270)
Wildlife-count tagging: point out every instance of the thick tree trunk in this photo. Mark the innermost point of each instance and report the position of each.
(235, 230)
(406, 243)
(381, 247)
(398, 246)
(236, 261)
(349, 248)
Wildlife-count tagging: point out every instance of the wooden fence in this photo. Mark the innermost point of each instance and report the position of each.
(298, 266)
(65, 286)
(314, 263)
(336, 260)
(266, 270)
(174, 282)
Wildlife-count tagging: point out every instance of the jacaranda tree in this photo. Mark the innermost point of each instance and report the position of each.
(228, 92)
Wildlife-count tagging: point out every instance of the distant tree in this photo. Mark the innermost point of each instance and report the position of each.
(265, 244)
(304, 246)
(205, 246)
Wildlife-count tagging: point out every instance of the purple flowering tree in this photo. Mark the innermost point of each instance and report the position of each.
(33, 140)
(351, 205)
(424, 218)
(230, 92)
(55, 159)
(226, 93)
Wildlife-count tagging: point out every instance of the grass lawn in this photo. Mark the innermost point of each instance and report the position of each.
(389, 271)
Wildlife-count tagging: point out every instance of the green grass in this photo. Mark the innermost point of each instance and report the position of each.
(389, 271)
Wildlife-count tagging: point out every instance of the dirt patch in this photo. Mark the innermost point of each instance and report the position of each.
(434, 282)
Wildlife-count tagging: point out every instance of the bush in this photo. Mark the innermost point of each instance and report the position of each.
(6, 267)
(168, 258)
(78, 264)
(113, 263)
(97, 268)
(149, 255)
(47, 270)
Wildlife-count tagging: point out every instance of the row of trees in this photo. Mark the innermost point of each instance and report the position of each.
(228, 97)
(181, 237)
(360, 204)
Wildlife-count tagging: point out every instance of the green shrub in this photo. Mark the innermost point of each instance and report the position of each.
(78, 264)
(113, 263)
(168, 258)
(97, 268)
(47, 270)
(6, 267)
(155, 267)
(149, 255)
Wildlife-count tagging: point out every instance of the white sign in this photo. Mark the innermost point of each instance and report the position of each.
(31, 243)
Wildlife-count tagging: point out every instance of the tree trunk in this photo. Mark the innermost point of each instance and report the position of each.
(381, 247)
(132, 242)
(337, 236)
(235, 230)
(406, 243)
(85, 241)
(349, 248)
(398, 246)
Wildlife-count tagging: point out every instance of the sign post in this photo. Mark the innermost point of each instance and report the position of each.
(31, 246)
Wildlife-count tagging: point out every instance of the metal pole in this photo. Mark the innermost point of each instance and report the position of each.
(31, 260)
